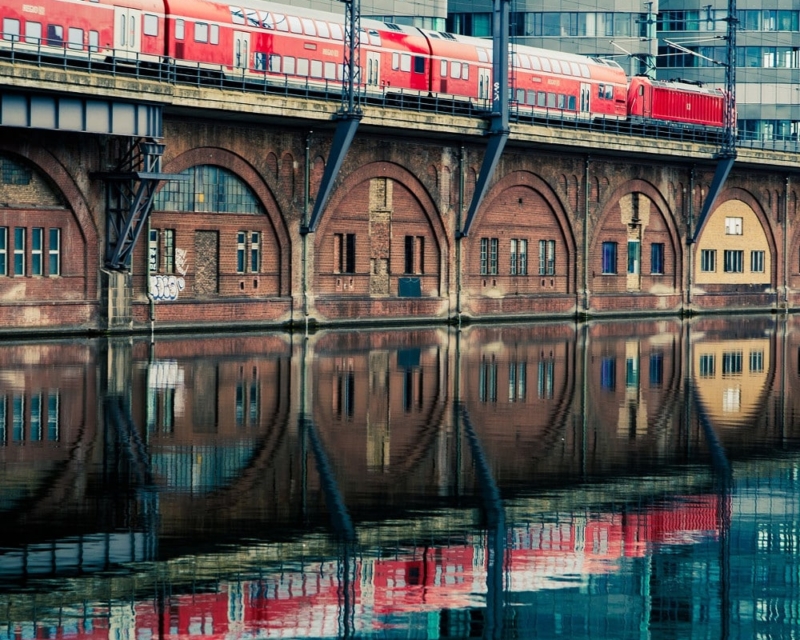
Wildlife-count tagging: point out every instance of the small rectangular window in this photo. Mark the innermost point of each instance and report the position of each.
(37, 245)
(322, 29)
(33, 32)
(309, 27)
(150, 24)
(419, 64)
(707, 366)
(455, 70)
(55, 35)
(281, 24)
(541, 99)
(733, 226)
(19, 251)
(551, 100)
(733, 261)
(255, 251)
(152, 259)
(708, 260)
(464, 71)
(757, 261)
(657, 258)
(344, 253)
(214, 35)
(302, 67)
(94, 41)
(288, 66)
(609, 258)
(295, 26)
(274, 63)
(493, 251)
(201, 32)
(240, 251)
(169, 251)
(405, 62)
(75, 39)
(443, 68)
(634, 249)
(54, 252)
(316, 68)
(11, 29)
(3, 251)
(180, 29)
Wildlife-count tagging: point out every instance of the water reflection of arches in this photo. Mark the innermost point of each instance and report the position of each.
(634, 383)
(380, 407)
(519, 387)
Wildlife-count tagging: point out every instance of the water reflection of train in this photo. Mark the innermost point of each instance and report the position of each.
(304, 598)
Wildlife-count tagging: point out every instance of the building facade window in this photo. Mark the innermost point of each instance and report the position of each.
(733, 261)
(518, 257)
(708, 260)
(241, 251)
(657, 258)
(344, 253)
(733, 226)
(634, 255)
(414, 255)
(609, 258)
(489, 251)
(707, 366)
(757, 261)
(3, 251)
(54, 252)
(19, 251)
(255, 251)
(547, 257)
(37, 246)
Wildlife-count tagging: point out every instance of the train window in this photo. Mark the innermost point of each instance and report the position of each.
(546, 64)
(585, 70)
(266, 20)
(150, 25)
(288, 65)
(309, 27)
(565, 69)
(11, 29)
(252, 18)
(609, 92)
(482, 57)
(395, 61)
(237, 15)
(641, 89)
(374, 38)
(535, 65)
(419, 64)
(562, 101)
(214, 34)
(531, 97)
(322, 29)
(201, 32)
(555, 66)
(180, 28)
(551, 100)
(274, 63)
(33, 32)
(571, 103)
(55, 35)
(515, 60)
(340, 68)
(455, 70)
(521, 96)
(281, 24)
(330, 71)
(526, 62)
(405, 62)
(302, 67)
(576, 70)
(294, 24)
(443, 69)
(464, 71)
(260, 61)
(316, 68)
(541, 99)
(75, 38)
(336, 31)
(601, 91)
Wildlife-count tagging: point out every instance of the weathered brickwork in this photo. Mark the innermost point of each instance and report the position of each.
(557, 233)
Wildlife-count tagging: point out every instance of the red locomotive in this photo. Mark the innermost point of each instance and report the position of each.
(271, 42)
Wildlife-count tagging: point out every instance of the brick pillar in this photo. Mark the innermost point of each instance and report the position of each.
(115, 300)
(380, 231)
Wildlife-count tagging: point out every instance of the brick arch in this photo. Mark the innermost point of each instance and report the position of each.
(662, 206)
(398, 174)
(753, 202)
(552, 200)
(61, 179)
(257, 182)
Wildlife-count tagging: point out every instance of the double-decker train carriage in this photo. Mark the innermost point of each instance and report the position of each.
(274, 43)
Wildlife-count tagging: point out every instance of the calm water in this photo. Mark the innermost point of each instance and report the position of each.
(611, 480)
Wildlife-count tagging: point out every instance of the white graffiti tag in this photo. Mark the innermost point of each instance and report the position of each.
(166, 287)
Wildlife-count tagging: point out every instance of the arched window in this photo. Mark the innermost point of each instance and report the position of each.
(208, 189)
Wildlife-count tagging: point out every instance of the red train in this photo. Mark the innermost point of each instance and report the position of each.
(266, 41)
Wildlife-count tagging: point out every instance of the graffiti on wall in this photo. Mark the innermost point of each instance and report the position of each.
(167, 287)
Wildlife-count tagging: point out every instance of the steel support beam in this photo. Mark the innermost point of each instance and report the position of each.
(724, 167)
(498, 118)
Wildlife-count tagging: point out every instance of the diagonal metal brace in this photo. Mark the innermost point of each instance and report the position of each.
(720, 175)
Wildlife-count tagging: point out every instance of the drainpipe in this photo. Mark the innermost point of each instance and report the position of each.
(303, 224)
(150, 298)
(459, 236)
(785, 244)
(586, 193)
(690, 243)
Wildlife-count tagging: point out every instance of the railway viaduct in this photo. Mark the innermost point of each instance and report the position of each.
(575, 223)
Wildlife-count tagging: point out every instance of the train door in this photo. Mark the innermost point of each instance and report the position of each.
(484, 83)
(373, 69)
(127, 35)
(586, 92)
(241, 50)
